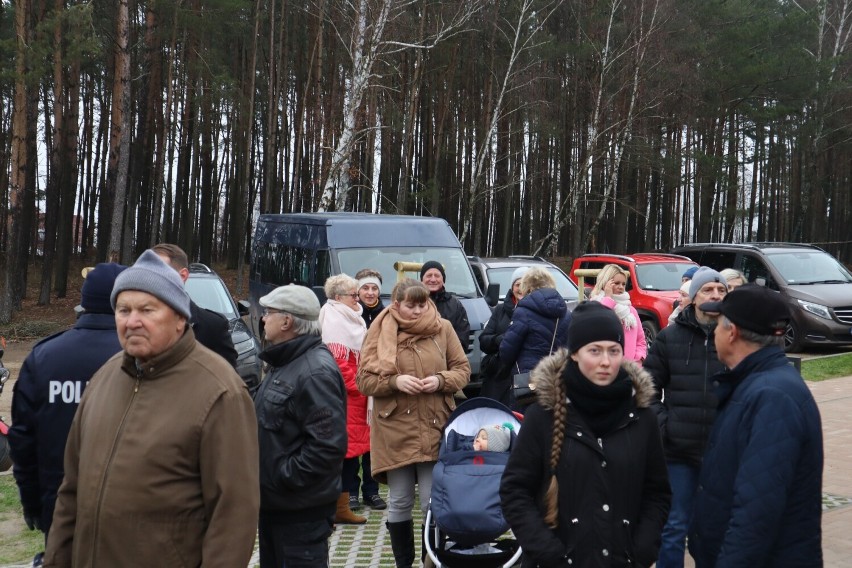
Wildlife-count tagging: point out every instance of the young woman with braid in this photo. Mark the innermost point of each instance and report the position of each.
(586, 484)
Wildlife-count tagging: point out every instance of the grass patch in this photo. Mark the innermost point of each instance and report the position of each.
(827, 367)
(18, 544)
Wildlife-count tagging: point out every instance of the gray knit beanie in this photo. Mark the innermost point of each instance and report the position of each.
(702, 276)
(150, 274)
(499, 437)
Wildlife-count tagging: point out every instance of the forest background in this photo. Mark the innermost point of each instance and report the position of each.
(551, 127)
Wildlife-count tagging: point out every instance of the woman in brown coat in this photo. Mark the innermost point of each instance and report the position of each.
(411, 364)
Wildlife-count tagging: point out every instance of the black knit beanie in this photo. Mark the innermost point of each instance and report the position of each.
(592, 321)
(429, 264)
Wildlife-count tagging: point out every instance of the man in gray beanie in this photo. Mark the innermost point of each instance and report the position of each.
(682, 360)
(166, 430)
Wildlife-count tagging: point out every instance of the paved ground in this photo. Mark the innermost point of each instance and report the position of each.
(368, 546)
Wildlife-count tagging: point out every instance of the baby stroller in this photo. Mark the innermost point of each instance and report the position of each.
(465, 524)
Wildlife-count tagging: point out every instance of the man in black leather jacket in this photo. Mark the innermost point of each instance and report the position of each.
(451, 309)
(301, 413)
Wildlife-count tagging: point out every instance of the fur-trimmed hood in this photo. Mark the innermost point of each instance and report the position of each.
(549, 371)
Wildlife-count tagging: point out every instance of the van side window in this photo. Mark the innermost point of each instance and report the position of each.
(718, 260)
(323, 266)
(754, 268)
(279, 264)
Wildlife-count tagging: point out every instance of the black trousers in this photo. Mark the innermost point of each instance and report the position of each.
(294, 545)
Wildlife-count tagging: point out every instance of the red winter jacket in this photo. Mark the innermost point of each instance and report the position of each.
(356, 408)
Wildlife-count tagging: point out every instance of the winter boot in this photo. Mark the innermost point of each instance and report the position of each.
(402, 542)
(344, 515)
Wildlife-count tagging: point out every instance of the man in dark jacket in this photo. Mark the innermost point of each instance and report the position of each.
(210, 328)
(47, 393)
(682, 361)
(760, 497)
(451, 309)
(301, 411)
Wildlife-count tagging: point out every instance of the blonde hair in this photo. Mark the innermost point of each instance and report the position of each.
(410, 290)
(606, 274)
(535, 279)
(339, 285)
(732, 274)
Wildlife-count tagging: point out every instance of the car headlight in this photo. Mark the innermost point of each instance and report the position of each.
(815, 309)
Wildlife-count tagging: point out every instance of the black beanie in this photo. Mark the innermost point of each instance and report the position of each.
(592, 321)
(97, 287)
(429, 264)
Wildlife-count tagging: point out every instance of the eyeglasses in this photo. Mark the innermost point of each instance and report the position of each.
(270, 312)
(354, 295)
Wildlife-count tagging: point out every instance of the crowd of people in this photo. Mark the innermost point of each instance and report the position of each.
(705, 442)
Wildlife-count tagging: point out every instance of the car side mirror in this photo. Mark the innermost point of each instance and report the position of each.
(243, 308)
(492, 296)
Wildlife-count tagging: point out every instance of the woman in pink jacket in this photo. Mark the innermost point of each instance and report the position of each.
(610, 290)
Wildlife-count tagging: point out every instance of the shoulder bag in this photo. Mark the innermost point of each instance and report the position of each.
(522, 388)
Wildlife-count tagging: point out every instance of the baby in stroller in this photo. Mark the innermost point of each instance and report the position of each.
(494, 438)
(465, 519)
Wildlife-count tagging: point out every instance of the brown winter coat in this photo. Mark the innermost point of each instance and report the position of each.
(161, 466)
(405, 428)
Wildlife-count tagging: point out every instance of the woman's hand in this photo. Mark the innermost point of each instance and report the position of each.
(608, 287)
(409, 384)
(430, 383)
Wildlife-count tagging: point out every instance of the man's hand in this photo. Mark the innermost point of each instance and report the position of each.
(33, 522)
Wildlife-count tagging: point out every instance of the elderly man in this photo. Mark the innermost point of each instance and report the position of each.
(451, 309)
(48, 391)
(760, 497)
(161, 464)
(682, 361)
(301, 410)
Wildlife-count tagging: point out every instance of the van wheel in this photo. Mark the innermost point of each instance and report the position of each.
(651, 331)
(792, 339)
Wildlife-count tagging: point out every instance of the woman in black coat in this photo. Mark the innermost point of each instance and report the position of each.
(496, 376)
(586, 483)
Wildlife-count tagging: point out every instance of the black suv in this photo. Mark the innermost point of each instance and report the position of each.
(209, 291)
(816, 286)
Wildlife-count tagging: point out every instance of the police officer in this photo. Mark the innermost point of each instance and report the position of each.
(47, 393)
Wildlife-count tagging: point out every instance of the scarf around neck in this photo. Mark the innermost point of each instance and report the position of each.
(343, 329)
(390, 330)
(602, 407)
(621, 308)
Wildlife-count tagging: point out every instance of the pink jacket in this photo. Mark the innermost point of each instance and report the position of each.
(635, 347)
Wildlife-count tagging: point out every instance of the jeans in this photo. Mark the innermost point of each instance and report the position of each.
(351, 481)
(684, 482)
(294, 545)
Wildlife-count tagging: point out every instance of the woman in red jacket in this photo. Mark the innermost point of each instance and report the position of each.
(343, 331)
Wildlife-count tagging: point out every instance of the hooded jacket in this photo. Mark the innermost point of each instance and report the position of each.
(301, 412)
(161, 466)
(682, 361)
(47, 393)
(759, 502)
(406, 429)
(531, 333)
(614, 492)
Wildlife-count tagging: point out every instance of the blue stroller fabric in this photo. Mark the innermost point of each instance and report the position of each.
(465, 500)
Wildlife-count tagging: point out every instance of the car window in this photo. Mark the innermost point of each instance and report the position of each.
(211, 294)
(459, 277)
(662, 276)
(754, 268)
(809, 267)
(718, 259)
(503, 275)
(477, 273)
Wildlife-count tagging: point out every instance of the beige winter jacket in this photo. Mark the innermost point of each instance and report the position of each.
(161, 466)
(405, 428)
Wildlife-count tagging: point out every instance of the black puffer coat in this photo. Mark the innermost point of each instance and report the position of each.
(682, 362)
(452, 310)
(614, 492)
(496, 376)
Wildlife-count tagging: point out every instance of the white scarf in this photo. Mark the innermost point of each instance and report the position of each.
(621, 308)
(343, 329)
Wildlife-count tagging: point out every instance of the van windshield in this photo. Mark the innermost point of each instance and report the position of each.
(809, 267)
(459, 279)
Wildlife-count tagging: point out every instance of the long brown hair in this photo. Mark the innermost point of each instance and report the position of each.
(551, 497)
